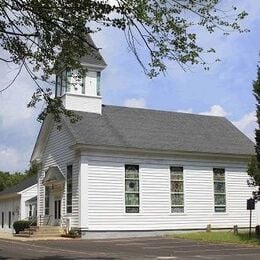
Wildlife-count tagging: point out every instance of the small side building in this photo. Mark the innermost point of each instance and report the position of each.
(17, 203)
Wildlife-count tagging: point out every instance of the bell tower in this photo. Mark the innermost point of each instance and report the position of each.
(82, 93)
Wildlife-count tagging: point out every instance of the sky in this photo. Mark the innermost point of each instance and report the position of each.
(224, 90)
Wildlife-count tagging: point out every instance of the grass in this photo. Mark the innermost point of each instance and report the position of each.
(223, 237)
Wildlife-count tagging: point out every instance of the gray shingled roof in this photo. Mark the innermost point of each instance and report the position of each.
(160, 130)
(20, 186)
(93, 57)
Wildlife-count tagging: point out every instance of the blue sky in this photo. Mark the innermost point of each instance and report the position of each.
(225, 90)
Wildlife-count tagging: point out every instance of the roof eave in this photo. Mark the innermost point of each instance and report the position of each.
(93, 66)
(9, 196)
(85, 147)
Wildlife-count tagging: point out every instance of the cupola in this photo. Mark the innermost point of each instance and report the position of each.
(80, 93)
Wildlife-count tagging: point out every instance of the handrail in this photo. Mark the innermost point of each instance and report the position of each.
(32, 220)
(49, 219)
(42, 219)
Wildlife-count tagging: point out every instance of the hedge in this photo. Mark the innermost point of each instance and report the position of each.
(21, 225)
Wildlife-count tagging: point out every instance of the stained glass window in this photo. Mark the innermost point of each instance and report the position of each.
(177, 190)
(219, 190)
(132, 188)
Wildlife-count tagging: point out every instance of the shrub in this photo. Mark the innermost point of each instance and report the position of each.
(73, 232)
(21, 225)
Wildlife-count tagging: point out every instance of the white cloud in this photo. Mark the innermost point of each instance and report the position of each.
(215, 110)
(13, 110)
(18, 126)
(247, 124)
(135, 102)
(11, 159)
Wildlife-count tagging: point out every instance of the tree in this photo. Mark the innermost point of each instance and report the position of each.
(32, 170)
(8, 179)
(254, 165)
(41, 35)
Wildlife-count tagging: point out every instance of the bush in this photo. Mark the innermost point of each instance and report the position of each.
(73, 232)
(21, 225)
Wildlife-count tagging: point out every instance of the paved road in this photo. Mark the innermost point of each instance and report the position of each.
(121, 249)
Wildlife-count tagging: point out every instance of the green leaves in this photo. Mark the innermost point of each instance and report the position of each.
(47, 33)
(254, 164)
(40, 30)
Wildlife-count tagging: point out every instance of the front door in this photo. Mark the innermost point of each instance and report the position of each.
(57, 211)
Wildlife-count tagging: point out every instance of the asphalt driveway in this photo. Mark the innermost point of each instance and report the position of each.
(132, 248)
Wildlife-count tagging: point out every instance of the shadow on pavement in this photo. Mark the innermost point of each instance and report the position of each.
(56, 257)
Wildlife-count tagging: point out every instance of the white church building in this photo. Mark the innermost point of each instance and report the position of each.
(123, 171)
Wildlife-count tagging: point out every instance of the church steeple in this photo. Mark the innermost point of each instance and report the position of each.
(82, 93)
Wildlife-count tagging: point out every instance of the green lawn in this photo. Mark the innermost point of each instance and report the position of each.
(225, 237)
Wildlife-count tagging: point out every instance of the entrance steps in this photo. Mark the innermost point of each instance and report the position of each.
(42, 231)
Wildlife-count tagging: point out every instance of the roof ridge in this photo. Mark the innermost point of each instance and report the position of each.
(163, 111)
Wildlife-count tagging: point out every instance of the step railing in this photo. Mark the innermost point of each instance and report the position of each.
(45, 220)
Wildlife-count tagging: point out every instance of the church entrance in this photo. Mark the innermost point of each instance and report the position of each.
(57, 211)
(54, 188)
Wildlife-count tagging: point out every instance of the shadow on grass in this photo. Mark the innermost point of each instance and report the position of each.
(244, 237)
(222, 237)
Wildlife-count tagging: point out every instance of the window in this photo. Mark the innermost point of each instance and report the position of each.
(68, 79)
(9, 219)
(3, 219)
(47, 200)
(30, 210)
(83, 85)
(69, 189)
(58, 85)
(219, 190)
(98, 83)
(132, 188)
(63, 82)
(177, 190)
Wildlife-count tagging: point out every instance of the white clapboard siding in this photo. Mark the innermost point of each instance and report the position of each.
(57, 152)
(106, 196)
(17, 206)
(26, 195)
(9, 205)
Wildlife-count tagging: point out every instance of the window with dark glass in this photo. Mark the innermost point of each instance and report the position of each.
(98, 83)
(132, 189)
(63, 82)
(58, 85)
(69, 189)
(9, 219)
(177, 190)
(62, 85)
(219, 190)
(3, 219)
(30, 210)
(47, 200)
